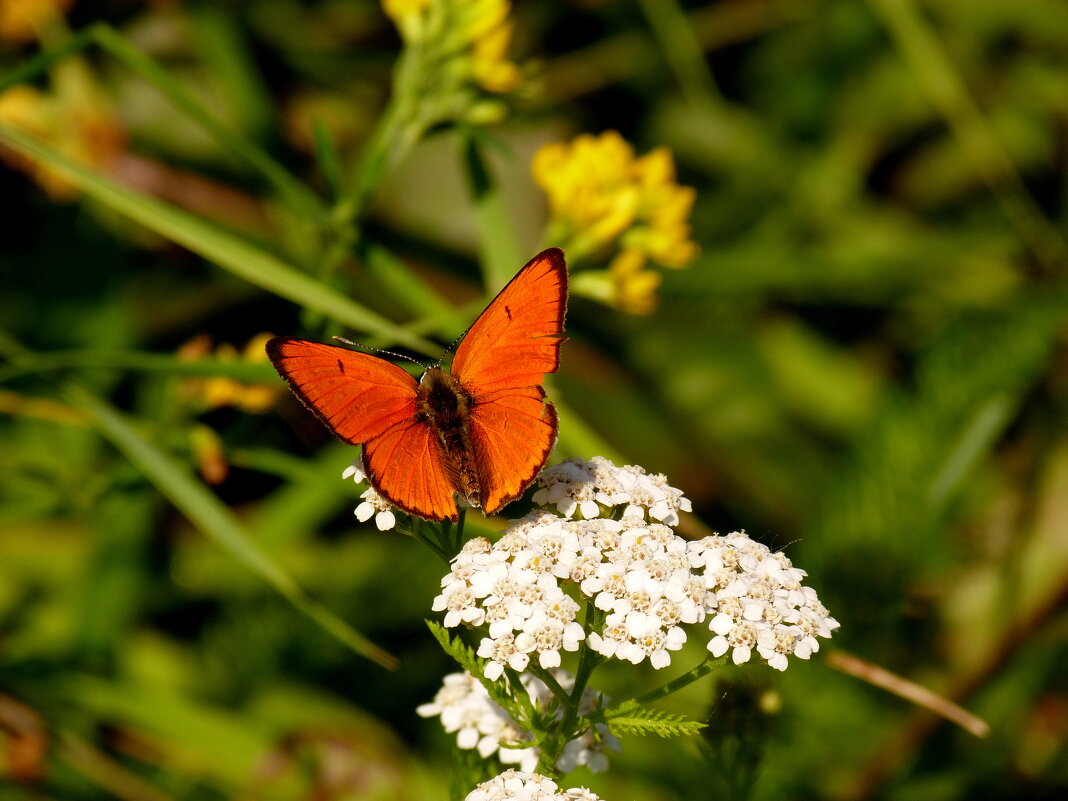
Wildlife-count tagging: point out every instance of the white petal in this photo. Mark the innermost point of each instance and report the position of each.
(467, 738)
(721, 624)
(660, 659)
(385, 520)
(718, 646)
(364, 511)
(549, 659)
(517, 662)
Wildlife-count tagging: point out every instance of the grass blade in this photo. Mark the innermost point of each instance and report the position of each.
(218, 246)
(212, 517)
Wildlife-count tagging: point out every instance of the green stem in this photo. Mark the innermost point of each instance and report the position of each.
(942, 82)
(702, 670)
(498, 247)
(549, 680)
(42, 61)
(296, 193)
(681, 49)
(417, 532)
(458, 532)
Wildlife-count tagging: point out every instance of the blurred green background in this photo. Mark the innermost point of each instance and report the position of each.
(866, 365)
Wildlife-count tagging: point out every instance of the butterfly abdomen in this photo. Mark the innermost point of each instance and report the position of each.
(446, 407)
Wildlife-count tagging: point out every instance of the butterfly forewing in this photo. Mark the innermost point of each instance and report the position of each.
(358, 396)
(516, 340)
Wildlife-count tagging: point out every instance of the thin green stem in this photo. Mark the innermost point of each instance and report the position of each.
(42, 61)
(458, 532)
(702, 670)
(133, 360)
(288, 187)
(547, 678)
(681, 49)
(417, 532)
(943, 84)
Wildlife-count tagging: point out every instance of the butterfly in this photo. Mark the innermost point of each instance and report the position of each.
(483, 429)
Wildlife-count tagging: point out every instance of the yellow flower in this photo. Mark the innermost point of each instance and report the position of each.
(471, 37)
(634, 286)
(21, 20)
(490, 65)
(602, 199)
(85, 133)
(217, 391)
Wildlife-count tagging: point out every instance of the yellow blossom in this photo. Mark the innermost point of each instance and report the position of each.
(472, 36)
(217, 391)
(634, 286)
(490, 65)
(602, 199)
(22, 20)
(86, 133)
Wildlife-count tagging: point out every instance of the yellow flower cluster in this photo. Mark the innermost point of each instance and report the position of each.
(217, 391)
(79, 128)
(602, 198)
(22, 20)
(474, 32)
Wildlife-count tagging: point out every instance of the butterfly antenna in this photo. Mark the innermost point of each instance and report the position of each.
(381, 350)
(452, 345)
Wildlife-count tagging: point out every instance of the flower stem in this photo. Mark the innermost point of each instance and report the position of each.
(702, 670)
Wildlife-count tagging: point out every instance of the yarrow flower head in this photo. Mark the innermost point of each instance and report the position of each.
(614, 548)
(759, 603)
(589, 489)
(374, 505)
(466, 709)
(602, 199)
(526, 786)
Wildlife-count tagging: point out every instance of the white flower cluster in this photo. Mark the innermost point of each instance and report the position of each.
(589, 489)
(526, 786)
(514, 587)
(646, 579)
(479, 722)
(373, 503)
(759, 601)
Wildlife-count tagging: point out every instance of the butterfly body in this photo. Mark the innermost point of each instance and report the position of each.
(482, 429)
(446, 407)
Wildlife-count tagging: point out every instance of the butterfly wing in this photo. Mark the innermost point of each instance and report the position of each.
(365, 399)
(357, 396)
(405, 466)
(501, 363)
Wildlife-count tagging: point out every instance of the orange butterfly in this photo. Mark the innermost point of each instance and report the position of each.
(483, 430)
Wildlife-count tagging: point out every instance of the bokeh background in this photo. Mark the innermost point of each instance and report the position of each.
(862, 359)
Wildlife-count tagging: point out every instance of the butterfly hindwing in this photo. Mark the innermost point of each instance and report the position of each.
(405, 466)
(512, 435)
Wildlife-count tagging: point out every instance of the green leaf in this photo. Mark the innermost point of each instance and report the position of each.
(212, 517)
(137, 361)
(466, 658)
(643, 721)
(224, 249)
